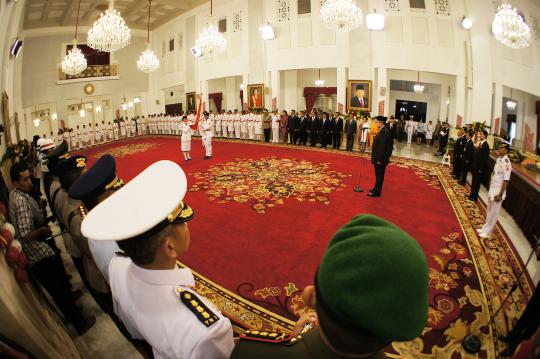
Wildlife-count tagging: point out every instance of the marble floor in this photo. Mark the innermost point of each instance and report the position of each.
(105, 341)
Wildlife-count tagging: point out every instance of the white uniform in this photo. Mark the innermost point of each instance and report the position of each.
(237, 119)
(205, 128)
(123, 129)
(364, 135)
(409, 126)
(116, 131)
(275, 128)
(501, 172)
(230, 125)
(148, 303)
(97, 134)
(251, 126)
(258, 125)
(429, 131)
(218, 119)
(186, 136)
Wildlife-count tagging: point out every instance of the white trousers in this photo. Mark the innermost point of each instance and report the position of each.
(409, 136)
(492, 213)
(207, 141)
(275, 135)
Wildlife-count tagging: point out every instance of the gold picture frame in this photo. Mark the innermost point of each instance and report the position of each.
(255, 96)
(191, 101)
(359, 101)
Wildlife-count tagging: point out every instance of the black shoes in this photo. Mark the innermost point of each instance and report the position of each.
(207, 157)
(373, 194)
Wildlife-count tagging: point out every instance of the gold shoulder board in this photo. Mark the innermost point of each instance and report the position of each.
(197, 307)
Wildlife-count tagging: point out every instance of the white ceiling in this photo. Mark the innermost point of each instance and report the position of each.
(52, 13)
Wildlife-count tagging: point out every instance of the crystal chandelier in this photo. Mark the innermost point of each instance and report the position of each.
(210, 40)
(418, 87)
(341, 14)
(148, 61)
(74, 62)
(511, 104)
(110, 32)
(510, 29)
(319, 82)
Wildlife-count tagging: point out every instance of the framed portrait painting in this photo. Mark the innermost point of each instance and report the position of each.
(256, 96)
(359, 95)
(191, 103)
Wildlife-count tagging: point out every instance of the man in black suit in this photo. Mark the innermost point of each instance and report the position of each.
(443, 138)
(350, 130)
(303, 128)
(291, 127)
(380, 155)
(314, 129)
(467, 157)
(381, 150)
(392, 127)
(359, 100)
(479, 166)
(326, 130)
(337, 130)
(459, 146)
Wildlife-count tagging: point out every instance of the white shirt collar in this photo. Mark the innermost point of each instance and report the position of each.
(175, 276)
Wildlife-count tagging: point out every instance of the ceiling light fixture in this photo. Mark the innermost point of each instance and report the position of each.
(418, 87)
(319, 82)
(511, 104)
(510, 29)
(375, 21)
(74, 62)
(342, 15)
(110, 32)
(267, 32)
(210, 40)
(148, 61)
(466, 22)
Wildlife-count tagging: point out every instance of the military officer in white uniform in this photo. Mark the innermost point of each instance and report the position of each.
(497, 189)
(153, 297)
(205, 128)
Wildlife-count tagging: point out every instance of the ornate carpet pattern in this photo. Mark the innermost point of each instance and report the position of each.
(268, 181)
(468, 277)
(128, 149)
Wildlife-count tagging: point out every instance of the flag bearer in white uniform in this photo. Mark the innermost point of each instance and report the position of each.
(497, 189)
(205, 128)
(186, 131)
(224, 124)
(258, 123)
(153, 297)
(230, 124)
(237, 118)
(116, 129)
(122, 128)
(66, 136)
(97, 134)
(251, 125)
(243, 125)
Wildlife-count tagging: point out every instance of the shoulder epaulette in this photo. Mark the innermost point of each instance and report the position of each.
(197, 307)
(269, 337)
(82, 211)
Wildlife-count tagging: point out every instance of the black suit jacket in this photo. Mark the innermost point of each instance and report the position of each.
(326, 125)
(468, 152)
(382, 147)
(314, 124)
(459, 147)
(392, 129)
(355, 102)
(304, 124)
(350, 129)
(481, 158)
(337, 125)
(291, 123)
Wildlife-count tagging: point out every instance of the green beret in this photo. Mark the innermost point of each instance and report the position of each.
(373, 278)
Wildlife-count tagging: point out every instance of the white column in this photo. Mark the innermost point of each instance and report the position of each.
(459, 94)
(230, 94)
(204, 90)
(341, 88)
(497, 108)
(245, 81)
(275, 88)
(381, 94)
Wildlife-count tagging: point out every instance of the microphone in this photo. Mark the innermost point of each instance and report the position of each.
(472, 343)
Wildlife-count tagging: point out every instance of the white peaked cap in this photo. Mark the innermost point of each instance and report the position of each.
(152, 198)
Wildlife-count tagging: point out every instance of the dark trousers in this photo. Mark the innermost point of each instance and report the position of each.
(350, 142)
(464, 172)
(336, 140)
(379, 178)
(324, 139)
(456, 170)
(314, 138)
(529, 321)
(266, 135)
(53, 278)
(295, 136)
(303, 138)
(475, 186)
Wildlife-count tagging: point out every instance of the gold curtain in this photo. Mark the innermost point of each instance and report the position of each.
(28, 321)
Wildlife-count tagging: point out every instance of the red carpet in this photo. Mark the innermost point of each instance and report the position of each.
(264, 215)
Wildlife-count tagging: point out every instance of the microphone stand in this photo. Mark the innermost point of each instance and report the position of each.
(472, 343)
(359, 189)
